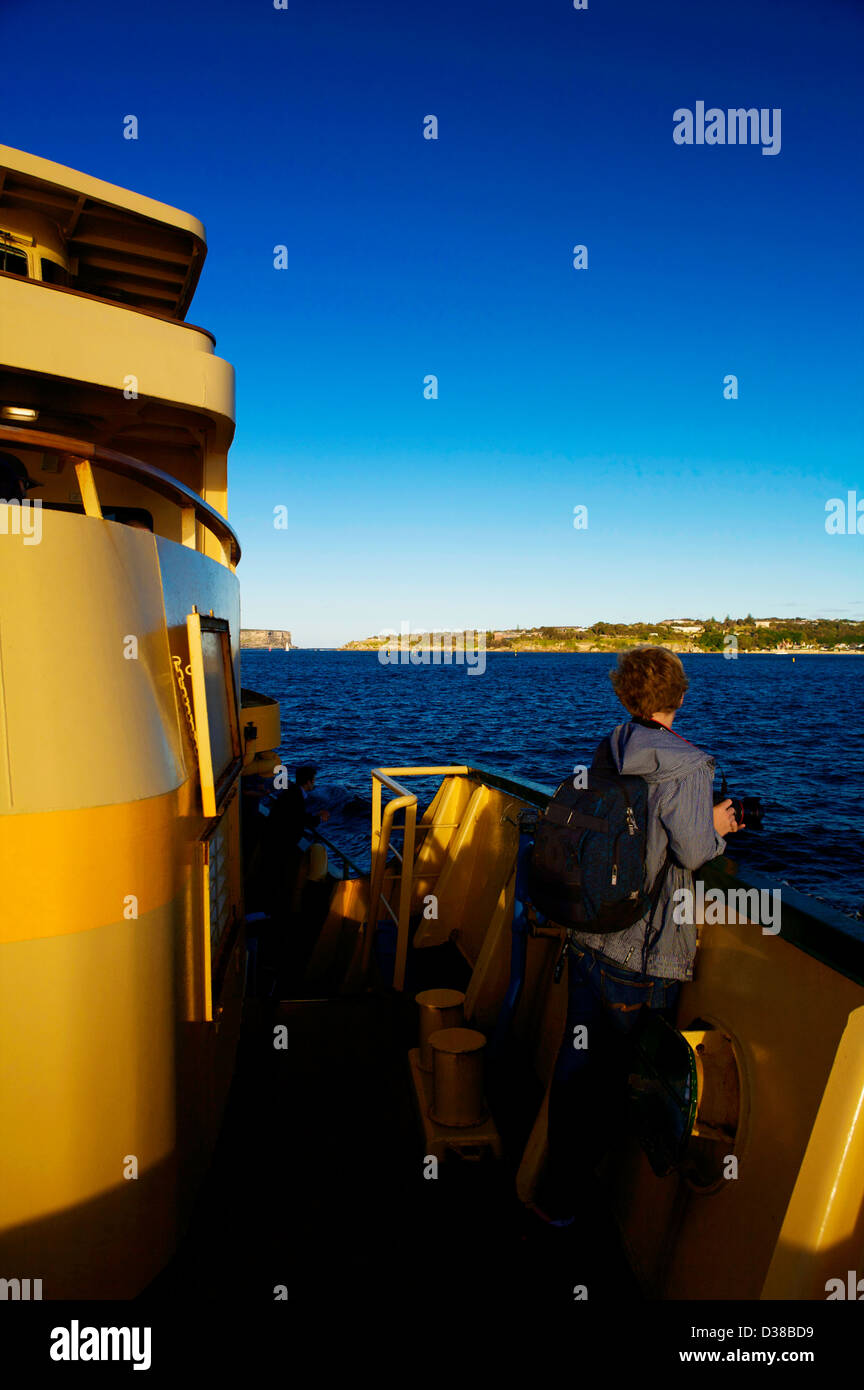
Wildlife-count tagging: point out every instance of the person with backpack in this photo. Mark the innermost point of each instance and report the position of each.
(609, 858)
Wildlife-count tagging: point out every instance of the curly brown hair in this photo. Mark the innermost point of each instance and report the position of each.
(649, 680)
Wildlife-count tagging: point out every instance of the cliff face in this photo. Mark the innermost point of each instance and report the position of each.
(264, 637)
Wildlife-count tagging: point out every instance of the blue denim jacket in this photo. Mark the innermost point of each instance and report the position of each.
(680, 781)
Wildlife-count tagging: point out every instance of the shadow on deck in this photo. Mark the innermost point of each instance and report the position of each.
(318, 1183)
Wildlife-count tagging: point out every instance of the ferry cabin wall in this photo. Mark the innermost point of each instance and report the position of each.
(100, 1006)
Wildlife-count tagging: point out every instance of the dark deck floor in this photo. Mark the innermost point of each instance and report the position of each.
(317, 1183)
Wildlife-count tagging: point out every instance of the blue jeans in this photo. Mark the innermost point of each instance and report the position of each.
(588, 1094)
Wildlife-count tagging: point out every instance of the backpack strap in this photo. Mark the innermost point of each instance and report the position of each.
(603, 760)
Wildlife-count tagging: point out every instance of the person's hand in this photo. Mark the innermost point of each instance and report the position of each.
(324, 816)
(724, 819)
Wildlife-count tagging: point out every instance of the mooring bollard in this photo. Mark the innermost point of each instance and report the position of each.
(439, 1008)
(457, 1077)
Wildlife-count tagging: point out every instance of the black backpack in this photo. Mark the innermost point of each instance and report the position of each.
(587, 867)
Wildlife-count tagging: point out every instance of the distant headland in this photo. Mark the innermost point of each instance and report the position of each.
(258, 637)
(792, 635)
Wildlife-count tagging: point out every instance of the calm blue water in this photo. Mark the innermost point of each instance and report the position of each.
(787, 731)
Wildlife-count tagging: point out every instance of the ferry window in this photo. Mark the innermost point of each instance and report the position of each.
(53, 273)
(129, 516)
(219, 701)
(215, 702)
(13, 262)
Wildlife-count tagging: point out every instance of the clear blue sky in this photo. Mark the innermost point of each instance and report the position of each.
(558, 387)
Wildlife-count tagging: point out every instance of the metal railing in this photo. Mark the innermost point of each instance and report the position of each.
(382, 830)
(347, 862)
(85, 455)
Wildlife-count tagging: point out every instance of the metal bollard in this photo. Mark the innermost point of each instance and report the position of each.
(439, 1008)
(457, 1085)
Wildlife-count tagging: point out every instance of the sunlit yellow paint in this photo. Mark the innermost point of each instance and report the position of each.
(822, 1236)
(116, 1050)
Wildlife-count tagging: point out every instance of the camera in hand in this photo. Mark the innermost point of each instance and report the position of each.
(748, 809)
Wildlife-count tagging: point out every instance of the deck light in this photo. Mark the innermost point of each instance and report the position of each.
(19, 412)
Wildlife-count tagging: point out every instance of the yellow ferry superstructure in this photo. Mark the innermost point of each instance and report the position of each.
(123, 739)
(121, 736)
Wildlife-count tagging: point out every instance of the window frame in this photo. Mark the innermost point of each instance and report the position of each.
(7, 249)
(215, 789)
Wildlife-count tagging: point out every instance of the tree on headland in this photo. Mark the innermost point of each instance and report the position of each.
(826, 634)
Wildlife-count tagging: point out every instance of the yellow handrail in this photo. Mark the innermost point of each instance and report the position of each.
(125, 466)
(382, 827)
